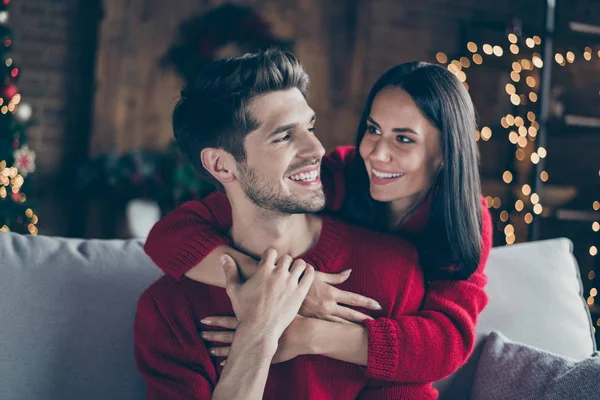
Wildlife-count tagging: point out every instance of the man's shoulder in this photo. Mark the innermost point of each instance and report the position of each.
(177, 296)
(361, 239)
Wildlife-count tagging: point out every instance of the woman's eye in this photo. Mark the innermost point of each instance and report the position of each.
(372, 130)
(404, 139)
(313, 129)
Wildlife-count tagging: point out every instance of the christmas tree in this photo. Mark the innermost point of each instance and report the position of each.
(17, 160)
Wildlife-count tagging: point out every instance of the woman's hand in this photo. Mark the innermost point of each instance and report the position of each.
(291, 344)
(324, 300)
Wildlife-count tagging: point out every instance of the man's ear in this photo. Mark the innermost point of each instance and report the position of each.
(219, 163)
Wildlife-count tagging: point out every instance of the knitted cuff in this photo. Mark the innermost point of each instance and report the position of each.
(383, 349)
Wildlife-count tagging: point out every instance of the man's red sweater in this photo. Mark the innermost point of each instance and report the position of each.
(176, 364)
(425, 346)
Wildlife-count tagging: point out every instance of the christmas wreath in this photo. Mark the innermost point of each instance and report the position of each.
(213, 35)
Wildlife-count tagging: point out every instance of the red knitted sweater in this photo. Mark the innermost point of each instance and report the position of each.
(411, 348)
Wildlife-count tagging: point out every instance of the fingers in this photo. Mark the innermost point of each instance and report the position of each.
(335, 279)
(298, 267)
(232, 275)
(284, 262)
(333, 318)
(351, 315)
(220, 351)
(223, 322)
(356, 300)
(218, 336)
(306, 281)
(268, 258)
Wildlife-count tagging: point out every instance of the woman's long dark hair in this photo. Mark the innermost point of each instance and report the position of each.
(450, 246)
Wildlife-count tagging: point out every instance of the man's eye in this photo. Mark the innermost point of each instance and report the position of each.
(283, 139)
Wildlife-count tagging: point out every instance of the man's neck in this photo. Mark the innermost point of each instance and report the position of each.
(255, 229)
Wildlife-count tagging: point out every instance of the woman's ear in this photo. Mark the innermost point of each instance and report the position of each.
(219, 164)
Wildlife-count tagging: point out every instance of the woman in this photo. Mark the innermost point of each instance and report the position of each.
(415, 175)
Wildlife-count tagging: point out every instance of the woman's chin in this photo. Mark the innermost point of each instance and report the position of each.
(380, 196)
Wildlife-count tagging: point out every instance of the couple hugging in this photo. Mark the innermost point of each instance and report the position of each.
(358, 274)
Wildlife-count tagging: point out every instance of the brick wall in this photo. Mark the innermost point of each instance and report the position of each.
(344, 44)
(54, 43)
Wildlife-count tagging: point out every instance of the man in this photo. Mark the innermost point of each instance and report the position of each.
(246, 125)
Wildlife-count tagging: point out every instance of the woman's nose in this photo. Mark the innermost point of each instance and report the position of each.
(380, 152)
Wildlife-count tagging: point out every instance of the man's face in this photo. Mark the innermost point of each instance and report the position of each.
(283, 156)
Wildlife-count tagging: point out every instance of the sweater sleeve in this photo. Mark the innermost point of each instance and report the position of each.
(434, 342)
(334, 170)
(184, 237)
(174, 365)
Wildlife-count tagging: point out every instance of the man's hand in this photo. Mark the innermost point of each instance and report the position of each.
(268, 302)
(292, 343)
(323, 300)
(265, 305)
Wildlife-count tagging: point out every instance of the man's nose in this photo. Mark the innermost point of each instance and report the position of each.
(312, 147)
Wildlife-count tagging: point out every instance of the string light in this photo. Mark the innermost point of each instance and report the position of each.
(441, 58)
(570, 57)
(522, 134)
(497, 202)
(530, 43)
(519, 205)
(593, 251)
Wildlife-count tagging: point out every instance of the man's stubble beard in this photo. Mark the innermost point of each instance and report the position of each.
(269, 197)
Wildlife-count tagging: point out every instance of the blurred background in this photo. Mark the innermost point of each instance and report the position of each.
(86, 147)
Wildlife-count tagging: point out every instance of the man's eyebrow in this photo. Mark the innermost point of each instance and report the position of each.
(396, 130)
(283, 129)
(287, 127)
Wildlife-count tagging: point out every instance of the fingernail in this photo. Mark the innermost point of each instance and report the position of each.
(204, 335)
(223, 259)
(378, 306)
(205, 321)
(223, 363)
(212, 351)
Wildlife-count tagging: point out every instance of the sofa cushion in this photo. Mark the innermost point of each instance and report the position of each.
(67, 309)
(509, 370)
(536, 298)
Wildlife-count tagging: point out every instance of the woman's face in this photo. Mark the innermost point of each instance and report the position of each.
(401, 149)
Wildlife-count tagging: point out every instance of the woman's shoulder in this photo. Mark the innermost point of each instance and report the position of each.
(340, 156)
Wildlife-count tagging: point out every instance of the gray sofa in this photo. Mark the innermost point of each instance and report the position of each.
(67, 307)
